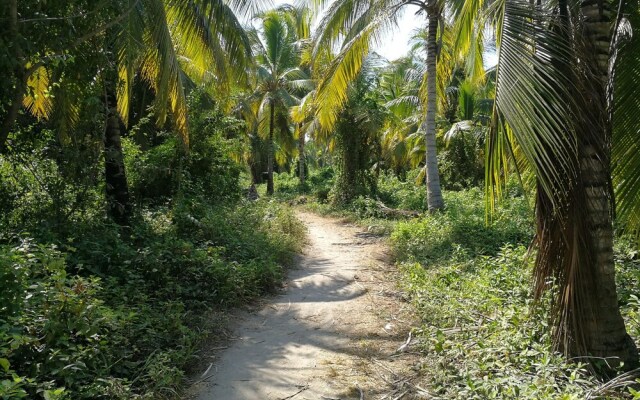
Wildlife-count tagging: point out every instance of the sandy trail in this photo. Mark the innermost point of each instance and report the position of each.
(333, 332)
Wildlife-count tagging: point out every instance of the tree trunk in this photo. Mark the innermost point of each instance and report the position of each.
(12, 112)
(270, 156)
(434, 194)
(117, 188)
(604, 333)
(301, 157)
(19, 76)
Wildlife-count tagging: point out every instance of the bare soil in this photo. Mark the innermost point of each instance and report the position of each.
(334, 332)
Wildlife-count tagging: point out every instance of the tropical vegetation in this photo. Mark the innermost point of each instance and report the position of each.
(151, 150)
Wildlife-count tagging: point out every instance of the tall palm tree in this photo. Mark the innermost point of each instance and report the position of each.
(399, 88)
(302, 17)
(277, 77)
(358, 23)
(565, 93)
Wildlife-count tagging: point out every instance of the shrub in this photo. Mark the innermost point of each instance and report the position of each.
(481, 337)
(481, 334)
(407, 195)
(116, 316)
(463, 225)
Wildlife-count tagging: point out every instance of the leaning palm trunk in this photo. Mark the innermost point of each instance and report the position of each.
(270, 150)
(434, 194)
(604, 333)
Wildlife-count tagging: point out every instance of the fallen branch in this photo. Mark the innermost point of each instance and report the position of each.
(392, 212)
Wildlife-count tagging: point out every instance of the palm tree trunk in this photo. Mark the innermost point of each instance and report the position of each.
(434, 194)
(19, 76)
(270, 150)
(12, 112)
(604, 332)
(117, 188)
(301, 157)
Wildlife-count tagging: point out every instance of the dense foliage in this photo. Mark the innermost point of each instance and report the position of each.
(92, 310)
(135, 138)
(482, 335)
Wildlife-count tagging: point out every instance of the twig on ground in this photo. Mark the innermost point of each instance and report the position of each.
(207, 370)
(204, 378)
(401, 395)
(405, 345)
(296, 393)
(361, 392)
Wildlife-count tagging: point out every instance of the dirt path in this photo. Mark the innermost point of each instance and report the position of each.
(333, 333)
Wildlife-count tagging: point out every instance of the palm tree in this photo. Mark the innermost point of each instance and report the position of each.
(359, 23)
(277, 77)
(434, 195)
(356, 137)
(302, 18)
(158, 41)
(399, 89)
(555, 92)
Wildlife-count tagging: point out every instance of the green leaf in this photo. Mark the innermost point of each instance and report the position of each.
(4, 363)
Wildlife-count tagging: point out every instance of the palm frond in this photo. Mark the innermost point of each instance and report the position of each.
(129, 48)
(161, 69)
(38, 100)
(332, 90)
(626, 125)
(528, 96)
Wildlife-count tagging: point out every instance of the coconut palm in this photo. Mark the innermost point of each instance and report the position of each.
(277, 77)
(402, 86)
(302, 18)
(559, 107)
(156, 41)
(359, 23)
(399, 89)
(356, 137)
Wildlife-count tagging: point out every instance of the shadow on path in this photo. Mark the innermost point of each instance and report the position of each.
(321, 336)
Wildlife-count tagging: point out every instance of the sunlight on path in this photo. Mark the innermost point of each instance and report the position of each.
(329, 335)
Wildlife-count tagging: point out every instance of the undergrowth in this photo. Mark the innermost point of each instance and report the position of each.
(482, 336)
(105, 316)
(93, 310)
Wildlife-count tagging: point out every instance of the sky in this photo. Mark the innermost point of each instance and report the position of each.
(397, 44)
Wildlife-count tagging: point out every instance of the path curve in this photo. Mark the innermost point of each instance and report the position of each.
(332, 333)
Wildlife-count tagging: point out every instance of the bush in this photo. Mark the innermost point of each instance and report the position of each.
(463, 225)
(461, 160)
(318, 184)
(407, 195)
(481, 335)
(42, 193)
(208, 169)
(321, 181)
